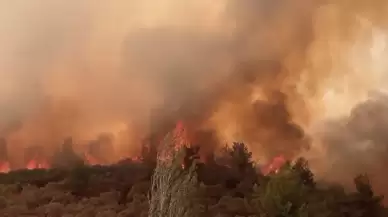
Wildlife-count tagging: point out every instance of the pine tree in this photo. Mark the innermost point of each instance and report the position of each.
(240, 160)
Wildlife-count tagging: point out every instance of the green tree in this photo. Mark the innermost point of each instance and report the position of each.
(291, 192)
(281, 196)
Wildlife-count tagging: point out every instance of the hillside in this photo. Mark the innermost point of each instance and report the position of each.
(234, 188)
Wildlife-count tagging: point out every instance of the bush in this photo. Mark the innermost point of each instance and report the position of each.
(78, 180)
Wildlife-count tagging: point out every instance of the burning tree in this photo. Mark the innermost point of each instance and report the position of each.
(174, 186)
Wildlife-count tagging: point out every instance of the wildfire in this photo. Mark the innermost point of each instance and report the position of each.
(4, 167)
(31, 165)
(180, 140)
(34, 164)
(91, 160)
(274, 165)
(136, 159)
(180, 136)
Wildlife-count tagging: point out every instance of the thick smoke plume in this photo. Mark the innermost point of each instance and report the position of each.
(357, 144)
(264, 72)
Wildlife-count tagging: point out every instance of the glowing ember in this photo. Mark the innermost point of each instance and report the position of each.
(34, 164)
(4, 167)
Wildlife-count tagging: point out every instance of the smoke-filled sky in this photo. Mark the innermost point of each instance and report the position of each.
(286, 77)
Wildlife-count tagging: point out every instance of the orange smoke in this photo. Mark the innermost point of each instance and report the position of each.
(260, 72)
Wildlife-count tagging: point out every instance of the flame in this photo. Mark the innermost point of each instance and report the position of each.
(136, 159)
(34, 164)
(180, 135)
(91, 160)
(181, 138)
(4, 167)
(274, 165)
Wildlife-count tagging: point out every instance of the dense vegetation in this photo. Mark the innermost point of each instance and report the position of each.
(228, 189)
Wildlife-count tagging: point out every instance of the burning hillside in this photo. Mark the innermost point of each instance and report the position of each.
(66, 157)
(116, 77)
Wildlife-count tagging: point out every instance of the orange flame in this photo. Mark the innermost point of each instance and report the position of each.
(91, 160)
(4, 167)
(274, 165)
(181, 138)
(136, 159)
(180, 135)
(34, 164)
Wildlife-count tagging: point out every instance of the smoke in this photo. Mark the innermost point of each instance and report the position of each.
(356, 144)
(265, 72)
(348, 106)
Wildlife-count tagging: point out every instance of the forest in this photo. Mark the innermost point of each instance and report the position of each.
(176, 183)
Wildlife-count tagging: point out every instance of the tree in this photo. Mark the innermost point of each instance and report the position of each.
(174, 187)
(237, 157)
(282, 195)
(304, 172)
(240, 156)
(290, 192)
(191, 156)
(363, 202)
